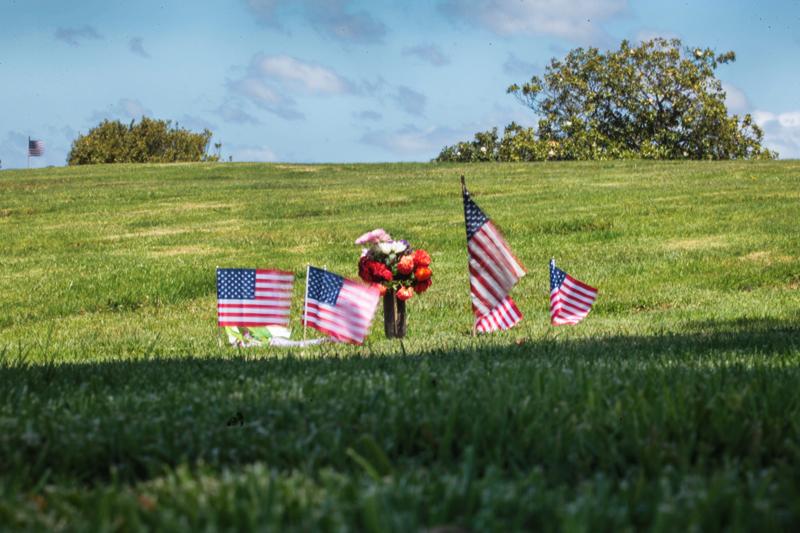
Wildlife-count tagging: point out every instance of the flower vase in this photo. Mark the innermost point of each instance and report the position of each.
(394, 315)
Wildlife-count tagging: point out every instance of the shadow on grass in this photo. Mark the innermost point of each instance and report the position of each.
(718, 392)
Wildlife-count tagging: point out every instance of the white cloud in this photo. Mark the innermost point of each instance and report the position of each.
(309, 77)
(574, 20)
(781, 131)
(646, 34)
(261, 154)
(124, 109)
(735, 99)
(428, 52)
(412, 141)
(273, 79)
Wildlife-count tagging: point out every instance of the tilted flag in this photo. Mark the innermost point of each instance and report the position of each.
(493, 270)
(570, 299)
(251, 298)
(339, 307)
(35, 148)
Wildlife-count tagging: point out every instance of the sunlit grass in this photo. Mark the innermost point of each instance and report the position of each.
(675, 404)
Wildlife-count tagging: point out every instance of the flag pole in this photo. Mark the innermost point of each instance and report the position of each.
(464, 195)
(305, 299)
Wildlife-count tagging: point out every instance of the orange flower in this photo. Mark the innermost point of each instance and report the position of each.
(406, 265)
(422, 286)
(421, 258)
(405, 293)
(422, 273)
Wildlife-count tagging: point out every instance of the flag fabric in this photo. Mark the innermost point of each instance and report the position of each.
(252, 298)
(35, 148)
(503, 316)
(493, 271)
(339, 307)
(570, 299)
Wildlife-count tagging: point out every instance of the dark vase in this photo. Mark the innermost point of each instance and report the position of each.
(394, 315)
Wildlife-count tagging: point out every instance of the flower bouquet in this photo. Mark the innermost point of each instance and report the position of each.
(398, 271)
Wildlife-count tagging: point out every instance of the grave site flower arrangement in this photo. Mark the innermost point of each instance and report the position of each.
(393, 265)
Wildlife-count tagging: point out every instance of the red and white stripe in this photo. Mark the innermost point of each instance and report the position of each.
(503, 316)
(350, 318)
(270, 307)
(493, 272)
(570, 303)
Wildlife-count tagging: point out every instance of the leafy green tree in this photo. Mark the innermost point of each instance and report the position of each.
(149, 141)
(657, 100)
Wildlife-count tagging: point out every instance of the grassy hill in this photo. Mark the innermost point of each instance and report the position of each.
(675, 404)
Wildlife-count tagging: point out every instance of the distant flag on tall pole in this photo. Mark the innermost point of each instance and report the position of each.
(493, 270)
(570, 299)
(35, 148)
(339, 307)
(253, 298)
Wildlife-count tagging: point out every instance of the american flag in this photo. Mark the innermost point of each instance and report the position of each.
(339, 307)
(250, 297)
(35, 148)
(570, 299)
(493, 271)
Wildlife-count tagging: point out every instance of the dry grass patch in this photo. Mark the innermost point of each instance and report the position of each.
(182, 250)
(299, 168)
(766, 258)
(700, 243)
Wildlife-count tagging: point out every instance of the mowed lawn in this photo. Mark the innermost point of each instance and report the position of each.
(676, 404)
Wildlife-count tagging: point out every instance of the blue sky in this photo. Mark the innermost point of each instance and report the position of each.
(342, 80)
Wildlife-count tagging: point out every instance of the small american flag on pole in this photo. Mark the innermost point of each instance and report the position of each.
(35, 148)
(252, 298)
(338, 307)
(570, 299)
(493, 270)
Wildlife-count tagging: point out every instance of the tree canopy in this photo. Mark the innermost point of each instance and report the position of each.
(149, 141)
(657, 100)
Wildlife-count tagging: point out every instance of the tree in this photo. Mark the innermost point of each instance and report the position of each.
(149, 141)
(657, 100)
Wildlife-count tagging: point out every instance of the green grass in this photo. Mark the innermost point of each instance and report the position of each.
(676, 404)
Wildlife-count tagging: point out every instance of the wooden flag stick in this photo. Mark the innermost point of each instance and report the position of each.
(463, 194)
(305, 300)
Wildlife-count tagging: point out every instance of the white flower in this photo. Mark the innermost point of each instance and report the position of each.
(385, 247)
(567, 124)
(398, 246)
(551, 153)
(698, 52)
(483, 149)
(685, 153)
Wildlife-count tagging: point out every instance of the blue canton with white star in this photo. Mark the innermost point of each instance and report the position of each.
(323, 286)
(473, 216)
(557, 277)
(236, 284)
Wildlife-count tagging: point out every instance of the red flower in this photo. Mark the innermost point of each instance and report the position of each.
(406, 265)
(405, 293)
(422, 274)
(422, 286)
(422, 259)
(370, 270)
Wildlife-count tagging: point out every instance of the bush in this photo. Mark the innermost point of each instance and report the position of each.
(149, 141)
(652, 101)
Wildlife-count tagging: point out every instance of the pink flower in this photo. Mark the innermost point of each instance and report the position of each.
(373, 237)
